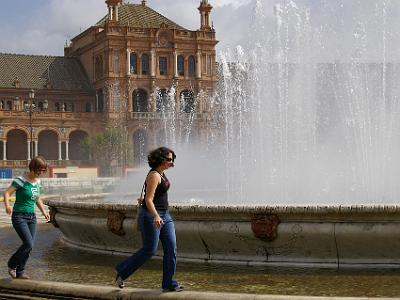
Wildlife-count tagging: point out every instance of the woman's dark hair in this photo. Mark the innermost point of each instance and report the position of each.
(158, 156)
(37, 164)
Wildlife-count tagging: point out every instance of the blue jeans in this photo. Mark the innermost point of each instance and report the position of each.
(150, 238)
(25, 225)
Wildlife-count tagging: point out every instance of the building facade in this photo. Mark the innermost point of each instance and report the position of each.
(134, 68)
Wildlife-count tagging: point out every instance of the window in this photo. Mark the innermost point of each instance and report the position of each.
(100, 100)
(1, 104)
(181, 65)
(88, 107)
(163, 65)
(9, 105)
(40, 106)
(209, 65)
(57, 106)
(71, 107)
(187, 101)
(145, 64)
(133, 67)
(116, 61)
(164, 103)
(192, 66)
(139, 99)
(98, 66)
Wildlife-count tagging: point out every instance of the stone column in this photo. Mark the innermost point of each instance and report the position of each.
(139, 64)
(59, 150)
(29, 149)
(198, 65)
(4, 150)
(66, 150)
(36, 148)
(175, 64)
(128, 59)
(153, 63)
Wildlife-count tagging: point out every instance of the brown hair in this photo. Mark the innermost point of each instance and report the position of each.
(158, 156)
(37, 164)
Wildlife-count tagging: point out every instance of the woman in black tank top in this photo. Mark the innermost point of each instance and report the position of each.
(155, 223)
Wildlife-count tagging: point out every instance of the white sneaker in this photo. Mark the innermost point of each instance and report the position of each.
(120, 282)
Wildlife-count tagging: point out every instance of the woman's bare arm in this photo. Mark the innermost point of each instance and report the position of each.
(153, 179)
(9, 191)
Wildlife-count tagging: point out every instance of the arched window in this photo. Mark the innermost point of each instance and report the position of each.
(9, 105)
(133, 67)
(192, 66)
(139, 100)
(57, 106)
(163, 65)
(163, 102)
(181, 65)
(40, 106)
(145, 64)
(187, 101)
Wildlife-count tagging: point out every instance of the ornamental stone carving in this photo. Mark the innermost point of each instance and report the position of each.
(265, 227)
(115, 220)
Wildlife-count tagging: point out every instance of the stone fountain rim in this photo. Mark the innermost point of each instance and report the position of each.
(81, 202)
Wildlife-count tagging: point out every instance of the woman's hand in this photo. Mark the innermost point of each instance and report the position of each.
(157, 222)
(46, 216)
(8, 209)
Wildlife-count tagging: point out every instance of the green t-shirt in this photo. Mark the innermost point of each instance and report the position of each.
(25, 195)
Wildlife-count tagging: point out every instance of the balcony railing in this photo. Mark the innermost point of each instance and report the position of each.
(167, 115)
(49, 115)
(58, 163)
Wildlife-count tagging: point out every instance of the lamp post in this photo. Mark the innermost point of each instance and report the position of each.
(30, 108)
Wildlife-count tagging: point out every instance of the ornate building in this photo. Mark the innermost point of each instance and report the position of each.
(134, 68)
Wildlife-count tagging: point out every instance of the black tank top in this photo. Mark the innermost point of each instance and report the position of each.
(160, 195)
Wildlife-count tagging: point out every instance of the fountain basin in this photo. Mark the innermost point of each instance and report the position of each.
(311, 236)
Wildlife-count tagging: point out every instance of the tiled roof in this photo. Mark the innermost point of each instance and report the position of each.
(140, 16)
(34, 72)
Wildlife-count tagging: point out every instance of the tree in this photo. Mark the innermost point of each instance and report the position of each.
(110, 150)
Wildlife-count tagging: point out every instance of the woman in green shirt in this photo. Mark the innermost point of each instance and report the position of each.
(27, 191)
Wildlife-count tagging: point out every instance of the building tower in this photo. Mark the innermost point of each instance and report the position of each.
(205, 10)
(113, 9)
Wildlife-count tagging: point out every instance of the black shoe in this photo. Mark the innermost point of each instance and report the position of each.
(119, 281)
(178, 288)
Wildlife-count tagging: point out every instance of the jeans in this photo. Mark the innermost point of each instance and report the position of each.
(25, 225)
(150, 238)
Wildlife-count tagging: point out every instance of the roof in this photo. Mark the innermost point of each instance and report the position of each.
(34, 72)
(141, 16)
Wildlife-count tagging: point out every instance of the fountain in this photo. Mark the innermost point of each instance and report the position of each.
(306, 173)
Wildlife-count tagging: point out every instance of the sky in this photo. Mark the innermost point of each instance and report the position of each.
(42, 27)
(330, 29)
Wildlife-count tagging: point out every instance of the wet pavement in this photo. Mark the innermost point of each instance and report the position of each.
(51, 260)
